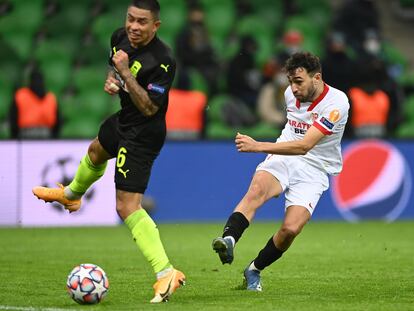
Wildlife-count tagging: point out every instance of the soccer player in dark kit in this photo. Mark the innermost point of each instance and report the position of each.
(141, 71)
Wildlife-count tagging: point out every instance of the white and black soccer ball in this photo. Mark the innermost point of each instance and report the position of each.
(87, 284)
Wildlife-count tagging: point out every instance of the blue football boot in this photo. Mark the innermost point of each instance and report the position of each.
(224, 248)
(252, 280)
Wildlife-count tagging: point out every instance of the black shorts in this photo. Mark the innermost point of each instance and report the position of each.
(135, 149)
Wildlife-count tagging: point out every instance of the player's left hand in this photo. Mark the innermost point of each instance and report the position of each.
(245, 143)
(121, 62)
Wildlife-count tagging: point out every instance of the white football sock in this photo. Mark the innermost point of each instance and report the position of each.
(163, 273)
(70, 195)
(253, 267)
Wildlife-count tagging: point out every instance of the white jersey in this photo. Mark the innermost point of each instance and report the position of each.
(328, 113)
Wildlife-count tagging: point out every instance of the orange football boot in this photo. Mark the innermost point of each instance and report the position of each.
(57, 195)
(167, 285)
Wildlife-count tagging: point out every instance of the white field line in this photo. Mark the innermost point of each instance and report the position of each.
(14, 308)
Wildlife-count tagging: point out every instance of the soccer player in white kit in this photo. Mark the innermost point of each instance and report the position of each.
(298, 163)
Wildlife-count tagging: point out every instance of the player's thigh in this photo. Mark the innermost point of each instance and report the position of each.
(278, 166)
(305, 194)
(265, 184)
(108, 135)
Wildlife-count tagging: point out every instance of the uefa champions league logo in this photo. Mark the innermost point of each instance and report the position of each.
(375, 182)
(62, 170)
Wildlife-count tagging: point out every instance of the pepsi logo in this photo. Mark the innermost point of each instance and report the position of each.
(375, 182)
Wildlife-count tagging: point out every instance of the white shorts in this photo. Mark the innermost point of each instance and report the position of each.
(302, 183)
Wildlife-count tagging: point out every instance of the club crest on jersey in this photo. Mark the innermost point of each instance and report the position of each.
(314, 116)
(155, 88)
(136, 66)
(327, 123)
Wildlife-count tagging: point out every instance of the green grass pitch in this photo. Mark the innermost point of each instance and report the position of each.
(331, 266)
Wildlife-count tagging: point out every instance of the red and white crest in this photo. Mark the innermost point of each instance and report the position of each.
(314, 116)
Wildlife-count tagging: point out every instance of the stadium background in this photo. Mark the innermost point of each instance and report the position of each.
(333, 264)
(194, 180)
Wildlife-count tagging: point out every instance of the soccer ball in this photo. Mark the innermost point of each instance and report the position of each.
(87, 284)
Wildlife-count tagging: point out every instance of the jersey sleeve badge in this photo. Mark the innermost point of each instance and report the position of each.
(326, 123)
(334, 116)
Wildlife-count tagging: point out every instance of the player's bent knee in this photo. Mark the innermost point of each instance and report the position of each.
(97, 153)
(93, 151)
(256, 194)
(289, 232)
(127, 203)
(124, 209)
(121, 210)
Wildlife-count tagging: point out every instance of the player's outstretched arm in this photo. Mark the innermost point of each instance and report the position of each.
(245, 143)
(138, 95)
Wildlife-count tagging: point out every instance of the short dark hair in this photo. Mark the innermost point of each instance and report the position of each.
(150, 5)
(305, 60)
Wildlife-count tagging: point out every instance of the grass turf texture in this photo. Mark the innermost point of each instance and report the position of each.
(331, 266)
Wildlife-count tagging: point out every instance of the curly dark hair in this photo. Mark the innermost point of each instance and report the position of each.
(304, 60)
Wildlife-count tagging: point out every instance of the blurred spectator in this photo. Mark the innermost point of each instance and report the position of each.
(194, 51)
(370, 105)
(355, 19)
(371, 44)
(243, 8)
(34, 111)
(371, 56)
(5, 7)
(185, 115)
(292, 43)
(290, 7)
(271, 106)
(337, 67)
(244, 79)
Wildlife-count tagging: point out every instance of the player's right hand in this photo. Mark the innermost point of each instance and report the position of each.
(112, 86)
(245, 143)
